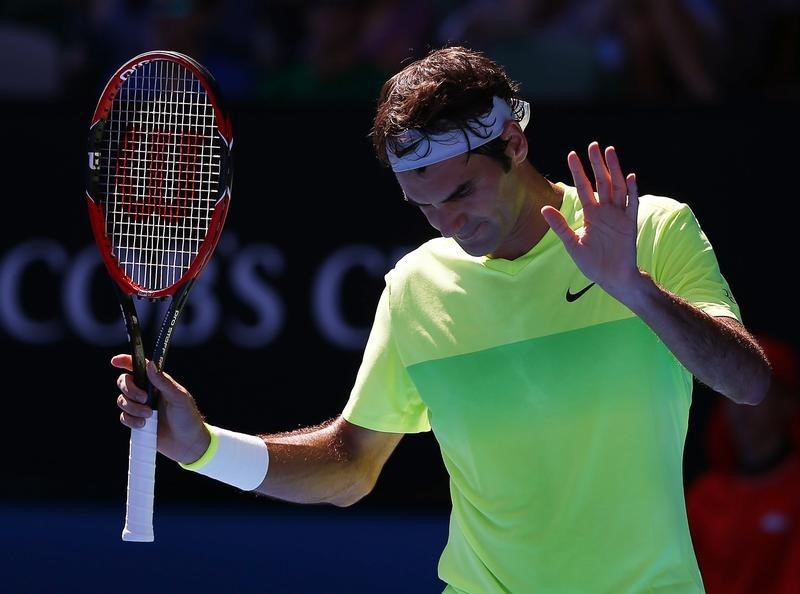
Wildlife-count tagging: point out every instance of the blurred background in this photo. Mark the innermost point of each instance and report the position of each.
(698, 96)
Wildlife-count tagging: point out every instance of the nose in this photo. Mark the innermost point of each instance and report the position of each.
(446, 219)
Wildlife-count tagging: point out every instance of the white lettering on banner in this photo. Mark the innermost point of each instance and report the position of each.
(202, 312)
(265, 302)
(247, 270)
(78, 304)
(12, 267)
(327, 291)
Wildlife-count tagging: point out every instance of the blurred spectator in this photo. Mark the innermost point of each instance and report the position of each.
(744, 512)
(784, 32)
(328, 63)
(589, 49)
(556, 49)
(584, 50)
(394, 31)
(674, 48)
(36, 60)
(70, 48)
(30, 63)
(221, 34)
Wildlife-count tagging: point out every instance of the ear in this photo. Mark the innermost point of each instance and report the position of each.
(517, 147)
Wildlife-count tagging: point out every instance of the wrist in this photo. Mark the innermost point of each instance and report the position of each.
(637, 292)
(199, 448)
(233, 458)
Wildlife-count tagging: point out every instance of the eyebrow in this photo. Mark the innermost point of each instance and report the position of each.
(459, 190)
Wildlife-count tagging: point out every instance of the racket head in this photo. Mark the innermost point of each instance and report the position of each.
(159, 172)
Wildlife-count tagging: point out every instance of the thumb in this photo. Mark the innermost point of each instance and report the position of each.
(559, 225)
(168, 388)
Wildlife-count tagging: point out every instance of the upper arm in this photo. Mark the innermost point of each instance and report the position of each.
(336, 462)
(366, 448)
(731, 323)
(682, 260)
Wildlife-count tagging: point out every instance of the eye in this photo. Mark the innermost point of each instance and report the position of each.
(461, 192)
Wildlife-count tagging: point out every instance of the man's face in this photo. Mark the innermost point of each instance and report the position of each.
(470, 199)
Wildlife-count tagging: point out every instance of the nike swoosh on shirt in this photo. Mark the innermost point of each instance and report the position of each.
(573, 296)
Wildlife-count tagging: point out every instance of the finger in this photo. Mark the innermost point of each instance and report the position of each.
(602, 177)
(582, 183)
(128, 387)
(134, 409)
(131, 422)
(122, 362)
(618, 183)
(633, 196)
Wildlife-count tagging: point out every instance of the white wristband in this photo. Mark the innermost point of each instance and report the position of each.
(234, 458)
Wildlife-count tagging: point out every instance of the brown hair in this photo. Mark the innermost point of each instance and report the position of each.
(446, 90)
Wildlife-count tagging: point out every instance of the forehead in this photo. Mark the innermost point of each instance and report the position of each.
(435, 183)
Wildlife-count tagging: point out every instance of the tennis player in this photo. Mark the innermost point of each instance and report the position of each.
(548, 339)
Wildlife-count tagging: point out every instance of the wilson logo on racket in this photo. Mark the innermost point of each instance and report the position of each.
(173, 164)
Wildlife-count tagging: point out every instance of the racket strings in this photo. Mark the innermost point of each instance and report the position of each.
(163, 164)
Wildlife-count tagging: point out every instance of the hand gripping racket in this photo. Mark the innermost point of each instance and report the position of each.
(158, 190)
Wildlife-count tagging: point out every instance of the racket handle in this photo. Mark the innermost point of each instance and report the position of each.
(141, 482)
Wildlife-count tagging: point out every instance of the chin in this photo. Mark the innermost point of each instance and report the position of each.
(476, 249)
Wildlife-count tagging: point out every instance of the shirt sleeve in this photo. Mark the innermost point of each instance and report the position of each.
(384, 398)
(684, 263)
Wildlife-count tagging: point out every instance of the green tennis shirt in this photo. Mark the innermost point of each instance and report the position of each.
(561, 416)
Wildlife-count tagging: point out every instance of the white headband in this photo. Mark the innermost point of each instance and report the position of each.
(455, 142)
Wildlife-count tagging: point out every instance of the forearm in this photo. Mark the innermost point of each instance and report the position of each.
(336, 462)
(314, 466)
(719, 353)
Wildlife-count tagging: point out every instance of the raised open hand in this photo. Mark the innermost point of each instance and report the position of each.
(605, 247)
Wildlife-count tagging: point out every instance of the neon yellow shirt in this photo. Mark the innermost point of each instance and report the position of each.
(561, 423)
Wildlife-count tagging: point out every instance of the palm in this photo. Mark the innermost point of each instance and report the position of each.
(604, 249)
(179, 421)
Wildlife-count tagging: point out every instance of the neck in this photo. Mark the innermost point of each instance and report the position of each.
(534, 192)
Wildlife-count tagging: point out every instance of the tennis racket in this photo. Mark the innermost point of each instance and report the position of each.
(158, 190)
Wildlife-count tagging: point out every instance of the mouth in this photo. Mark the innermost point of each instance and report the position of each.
(468, 234)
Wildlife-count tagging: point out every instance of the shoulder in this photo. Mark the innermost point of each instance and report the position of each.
(652, 206)
(654, 209)
(662, 214)
(430, 255)
(426, 269)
